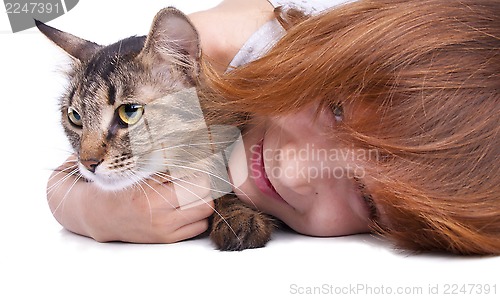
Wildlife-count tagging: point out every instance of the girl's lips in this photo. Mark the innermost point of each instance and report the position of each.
(259, 175)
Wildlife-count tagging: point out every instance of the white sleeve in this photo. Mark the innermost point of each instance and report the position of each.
(309, 6)
(267, 35)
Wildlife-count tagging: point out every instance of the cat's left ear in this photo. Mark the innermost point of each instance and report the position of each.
(76, 47)
(172, 35)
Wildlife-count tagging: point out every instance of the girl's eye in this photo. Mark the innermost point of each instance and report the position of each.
(74, 117)
(130, 114)
(372, 208)
(338, 111)
(368, 199)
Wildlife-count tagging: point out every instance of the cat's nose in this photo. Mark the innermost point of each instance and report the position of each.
(90, 164)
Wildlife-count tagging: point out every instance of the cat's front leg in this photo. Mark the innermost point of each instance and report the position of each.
(237, 226)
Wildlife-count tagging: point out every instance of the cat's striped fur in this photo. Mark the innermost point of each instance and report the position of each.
(150, 81)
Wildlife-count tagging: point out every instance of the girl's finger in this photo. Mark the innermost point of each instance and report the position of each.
(188, 231)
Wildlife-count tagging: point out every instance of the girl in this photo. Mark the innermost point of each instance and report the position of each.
(374, 116)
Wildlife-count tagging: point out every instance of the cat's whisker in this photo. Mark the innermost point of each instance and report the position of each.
(206, 202)
(68, 152)
(207, 173)
(61, 180)
(67, 193)
(144, 181)
(147, 198)
(52, 191)
(172, 179)
(176, 182)
(192, 145)
(118, 56)
(70, 169)
(175, 179)
(193, 169)
(58, 169)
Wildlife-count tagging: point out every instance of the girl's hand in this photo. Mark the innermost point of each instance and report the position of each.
(146, 213)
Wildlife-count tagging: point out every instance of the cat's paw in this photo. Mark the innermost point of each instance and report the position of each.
(238, 227)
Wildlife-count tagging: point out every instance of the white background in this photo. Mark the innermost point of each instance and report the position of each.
(40, 259)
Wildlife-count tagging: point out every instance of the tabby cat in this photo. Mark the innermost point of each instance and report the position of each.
(131, 112)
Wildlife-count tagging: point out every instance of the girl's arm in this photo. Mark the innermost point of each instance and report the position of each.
(148, 213)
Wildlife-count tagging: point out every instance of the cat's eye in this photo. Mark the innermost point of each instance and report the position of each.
(130, 114)
(338, 111)
(74, 117)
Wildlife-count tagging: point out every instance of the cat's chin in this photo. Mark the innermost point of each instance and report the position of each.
(111, 183)
(114, 184)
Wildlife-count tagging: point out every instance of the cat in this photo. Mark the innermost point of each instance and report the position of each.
(131, 112)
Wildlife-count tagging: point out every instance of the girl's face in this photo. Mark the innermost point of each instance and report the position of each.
(287, 167)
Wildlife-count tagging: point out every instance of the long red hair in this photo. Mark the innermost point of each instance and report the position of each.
(419, 82)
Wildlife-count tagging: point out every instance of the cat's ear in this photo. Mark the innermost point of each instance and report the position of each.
(172, 35)
(76, 47)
